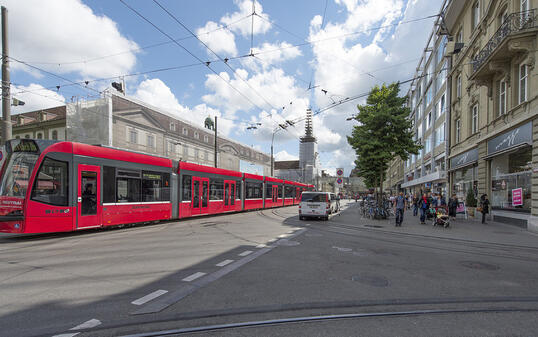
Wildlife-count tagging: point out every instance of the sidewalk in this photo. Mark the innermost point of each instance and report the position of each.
(464, 229)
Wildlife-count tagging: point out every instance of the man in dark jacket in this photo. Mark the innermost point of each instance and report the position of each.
(424, 205)
(484, 204)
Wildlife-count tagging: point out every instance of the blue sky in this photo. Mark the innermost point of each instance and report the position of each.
(348, 54)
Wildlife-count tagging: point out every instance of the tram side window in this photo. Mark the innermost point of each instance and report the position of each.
(268, 191)
(289, 192)
(128, 189)
(216, 189)
(109, 186)
(238, 189)
(186, 188)
(280, 191)
(254, 190)
(51, 185)
(155, 186)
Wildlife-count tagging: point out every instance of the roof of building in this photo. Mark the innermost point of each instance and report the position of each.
(287, 165)
(31, 117)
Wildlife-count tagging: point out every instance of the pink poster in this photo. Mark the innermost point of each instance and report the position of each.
(517, 197)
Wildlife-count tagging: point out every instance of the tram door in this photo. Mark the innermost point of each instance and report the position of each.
(200, 195)
(229, 194)
(89, 196)
(275, 193)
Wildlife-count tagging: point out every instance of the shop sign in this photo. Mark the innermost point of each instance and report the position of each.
(509, 139)
(464, 158)
(517, 197)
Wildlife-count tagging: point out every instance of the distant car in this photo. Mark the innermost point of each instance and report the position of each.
(317, 205)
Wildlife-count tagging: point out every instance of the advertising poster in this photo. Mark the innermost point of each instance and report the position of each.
(517, 197)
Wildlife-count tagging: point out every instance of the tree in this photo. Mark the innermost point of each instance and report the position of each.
(384, 132)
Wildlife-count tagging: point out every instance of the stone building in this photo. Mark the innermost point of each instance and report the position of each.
(493, 105)
(127, 123)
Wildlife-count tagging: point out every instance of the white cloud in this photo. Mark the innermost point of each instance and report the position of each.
(35, 97)
(343, 66)
(244, 27)
(67, 31)
(219, 40)
(270, 54)
(157, 93)
(284, 155)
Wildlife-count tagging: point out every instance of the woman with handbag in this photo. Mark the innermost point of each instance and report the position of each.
(484, 206)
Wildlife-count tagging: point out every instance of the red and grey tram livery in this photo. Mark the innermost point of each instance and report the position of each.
(51, 186)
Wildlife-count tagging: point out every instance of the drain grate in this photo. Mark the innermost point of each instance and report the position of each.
(479, 265)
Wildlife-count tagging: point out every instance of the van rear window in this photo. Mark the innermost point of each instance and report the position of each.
(313, 197)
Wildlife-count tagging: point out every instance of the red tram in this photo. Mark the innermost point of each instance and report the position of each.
(51, 186)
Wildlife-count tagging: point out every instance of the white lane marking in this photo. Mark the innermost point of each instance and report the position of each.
(87, 325)
(245, 253)
(149, 297)
(193, 276)
(261, 245)
(67, 334)
(272, 240)
(223, 263)
(342, 249)
(284, 235)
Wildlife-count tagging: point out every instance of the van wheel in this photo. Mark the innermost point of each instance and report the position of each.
(326, 218)
(301, 217)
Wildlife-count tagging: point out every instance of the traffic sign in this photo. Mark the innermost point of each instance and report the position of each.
(339, 181)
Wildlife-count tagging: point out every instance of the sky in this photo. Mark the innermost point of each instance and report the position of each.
(215, 58)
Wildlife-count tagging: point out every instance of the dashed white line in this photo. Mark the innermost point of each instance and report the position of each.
(149, 297)
(284, 236)
(67, 334)
(261, 245)
(87, 325)
(223, 263)
(193, 276)
(245, 253)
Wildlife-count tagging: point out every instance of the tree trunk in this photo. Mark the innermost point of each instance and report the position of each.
(380, 198)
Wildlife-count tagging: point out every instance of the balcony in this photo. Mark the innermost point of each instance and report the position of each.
(520, 26)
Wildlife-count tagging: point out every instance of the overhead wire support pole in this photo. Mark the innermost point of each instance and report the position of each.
(216, 148)
(6, 97)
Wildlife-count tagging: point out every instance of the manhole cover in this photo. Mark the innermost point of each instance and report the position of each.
(371, 280)
(286, 242)
(373, 226)
(479, 265)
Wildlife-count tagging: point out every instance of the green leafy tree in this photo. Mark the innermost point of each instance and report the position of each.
(384, 132)
(470, 200)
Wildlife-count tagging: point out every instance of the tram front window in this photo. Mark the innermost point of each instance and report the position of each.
(16, 176)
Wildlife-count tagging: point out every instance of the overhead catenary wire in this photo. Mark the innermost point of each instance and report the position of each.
(214, 53)
(190, 53)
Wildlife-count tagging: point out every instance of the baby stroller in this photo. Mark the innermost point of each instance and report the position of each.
(441, 217)
(430, 213)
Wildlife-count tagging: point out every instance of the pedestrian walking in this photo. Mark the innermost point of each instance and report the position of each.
(443, 200)
(484, 205)
(424, 205)
(453, 206)
(415, 204)
(399, 205)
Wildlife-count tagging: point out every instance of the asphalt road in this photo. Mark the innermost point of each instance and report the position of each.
(265, 273)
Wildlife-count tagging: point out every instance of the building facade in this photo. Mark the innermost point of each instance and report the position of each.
(427, 99)
(130, 124)
(493, 105)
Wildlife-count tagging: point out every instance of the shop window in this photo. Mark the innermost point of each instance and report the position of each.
(502, 98)
(464, 179)
(186, 188)
(511, 171)
(51, 185)
(522, 83)
(39, 135)
(474, 119)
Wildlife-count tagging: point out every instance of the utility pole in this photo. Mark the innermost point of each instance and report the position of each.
(272, 159)
(215, 141)
(6, 97)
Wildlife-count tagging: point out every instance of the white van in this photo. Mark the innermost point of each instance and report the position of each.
(317, 205)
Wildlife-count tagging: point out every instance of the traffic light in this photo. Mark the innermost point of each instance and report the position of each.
(117, 86)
